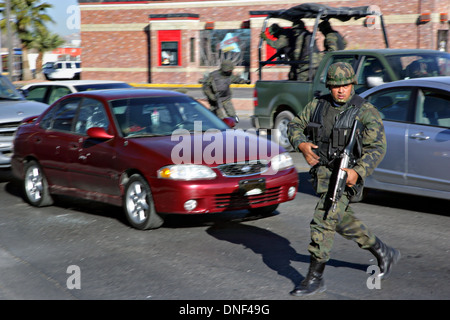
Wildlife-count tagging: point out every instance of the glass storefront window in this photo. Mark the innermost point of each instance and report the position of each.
(218, 45)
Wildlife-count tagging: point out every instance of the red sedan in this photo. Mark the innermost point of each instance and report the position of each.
(150, 151)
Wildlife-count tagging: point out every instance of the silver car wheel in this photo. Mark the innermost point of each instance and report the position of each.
(35, 185)
(136, 202)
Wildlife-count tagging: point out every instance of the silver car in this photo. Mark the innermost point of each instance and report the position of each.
(416, 116)
(13, 109)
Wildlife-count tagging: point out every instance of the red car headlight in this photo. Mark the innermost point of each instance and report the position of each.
(186, 172)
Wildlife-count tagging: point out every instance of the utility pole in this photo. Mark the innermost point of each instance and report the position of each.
(10, 49)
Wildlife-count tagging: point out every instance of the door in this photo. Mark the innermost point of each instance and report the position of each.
(429, 142)
(92, 161)
(51, 145)
(394, 107)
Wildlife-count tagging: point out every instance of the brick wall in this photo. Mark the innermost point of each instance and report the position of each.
(119, 42)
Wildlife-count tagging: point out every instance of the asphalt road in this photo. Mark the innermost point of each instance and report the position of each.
(78, 250)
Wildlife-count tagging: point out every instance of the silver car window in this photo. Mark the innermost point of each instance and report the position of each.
(433, 108)
(393, 104)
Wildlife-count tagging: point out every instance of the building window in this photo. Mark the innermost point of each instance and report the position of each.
(217, 45)
(192, 47)
(169, 53)
(169, 47)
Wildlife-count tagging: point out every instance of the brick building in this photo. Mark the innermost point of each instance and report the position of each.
(178, 41)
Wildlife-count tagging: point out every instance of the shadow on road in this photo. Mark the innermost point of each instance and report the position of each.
(408, 202)
(304, 183)
(275, 250)
(5, 175)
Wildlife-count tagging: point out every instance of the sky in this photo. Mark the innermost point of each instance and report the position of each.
(66, 15)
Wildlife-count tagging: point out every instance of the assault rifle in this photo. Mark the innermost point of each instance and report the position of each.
(341, 179)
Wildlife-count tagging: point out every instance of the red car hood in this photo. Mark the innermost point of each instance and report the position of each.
(210, 148)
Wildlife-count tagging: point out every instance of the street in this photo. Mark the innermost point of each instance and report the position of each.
(83, 250)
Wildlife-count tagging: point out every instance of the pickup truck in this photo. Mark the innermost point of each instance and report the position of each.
(276, 102)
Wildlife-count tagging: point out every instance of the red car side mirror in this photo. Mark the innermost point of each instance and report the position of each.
(229, 122)
(99, 133)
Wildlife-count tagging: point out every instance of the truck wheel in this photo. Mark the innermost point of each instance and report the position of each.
(280, 126)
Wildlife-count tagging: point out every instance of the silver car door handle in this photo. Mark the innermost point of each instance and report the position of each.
(419, 136)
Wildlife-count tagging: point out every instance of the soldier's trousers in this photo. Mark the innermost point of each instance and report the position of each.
(326, 223)
(226, 111)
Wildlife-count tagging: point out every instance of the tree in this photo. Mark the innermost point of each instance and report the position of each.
(29, 16)
(44, 41)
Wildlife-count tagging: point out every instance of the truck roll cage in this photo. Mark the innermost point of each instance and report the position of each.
(317, 12)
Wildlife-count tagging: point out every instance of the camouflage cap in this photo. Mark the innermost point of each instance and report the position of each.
(340, 73)
(227, 65)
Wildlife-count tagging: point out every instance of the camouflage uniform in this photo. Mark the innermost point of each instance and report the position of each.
(283, 39)
(216, 87)
(325, 222)
(333, 40)
(323, 226)
(301, 52)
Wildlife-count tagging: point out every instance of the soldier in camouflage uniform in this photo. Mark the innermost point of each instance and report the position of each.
(316, 150)
(216, 87)
(283, 40)
(302, 52)
(333, 40)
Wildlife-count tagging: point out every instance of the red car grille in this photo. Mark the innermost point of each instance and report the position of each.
(233, 201)
(247, 168)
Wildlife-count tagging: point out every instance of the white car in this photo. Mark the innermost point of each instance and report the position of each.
(62, 70)
(50, 91)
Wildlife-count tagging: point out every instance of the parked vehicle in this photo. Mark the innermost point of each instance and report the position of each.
(62, 70)
(416, 117)
(278, 101)
(13, 109)
(50, 91)
(151, 151)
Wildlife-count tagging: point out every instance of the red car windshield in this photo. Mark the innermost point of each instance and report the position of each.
(157, 115)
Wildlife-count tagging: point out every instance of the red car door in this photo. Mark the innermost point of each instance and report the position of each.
(52, 142)
(92, 161)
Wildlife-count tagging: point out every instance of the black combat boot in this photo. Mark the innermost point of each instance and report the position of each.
(313, 282)
(386, 257)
